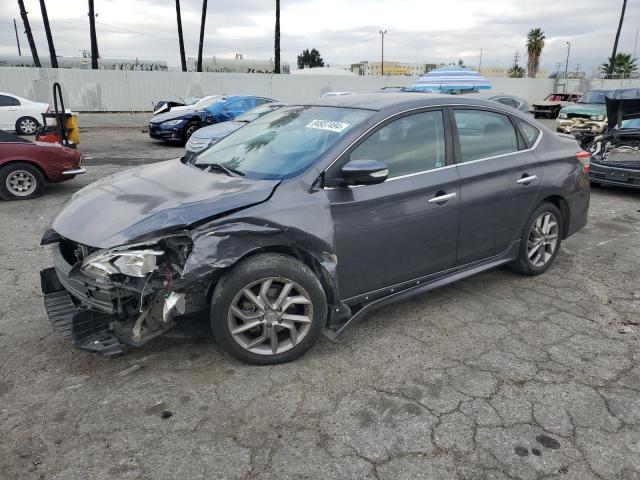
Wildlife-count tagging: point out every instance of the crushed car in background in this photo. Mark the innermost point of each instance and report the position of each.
(616, 154)
(550, 107)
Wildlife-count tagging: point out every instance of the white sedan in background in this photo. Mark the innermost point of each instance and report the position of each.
(19, 114)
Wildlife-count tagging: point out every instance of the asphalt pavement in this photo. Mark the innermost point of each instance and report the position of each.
(498, 376)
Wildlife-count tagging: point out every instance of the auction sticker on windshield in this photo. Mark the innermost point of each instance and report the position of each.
(330, 125)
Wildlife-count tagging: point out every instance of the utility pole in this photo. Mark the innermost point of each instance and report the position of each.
(635, 44)
(382, 34)
(276, 48)
(480, 63)
(202, 22)
(615, 43)
(27, 30)
(15, 27)
(183, 59)
(577, 70)
(566, 66)
(92, 34)
(47, 29)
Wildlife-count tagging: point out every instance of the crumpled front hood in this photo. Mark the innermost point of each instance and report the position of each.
(585, 108)
(153, 199)
(172, 115)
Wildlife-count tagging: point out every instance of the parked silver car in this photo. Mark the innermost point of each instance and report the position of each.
(207, 136)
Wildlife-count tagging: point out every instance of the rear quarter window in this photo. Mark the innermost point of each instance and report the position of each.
(6, 101)
(529, 132)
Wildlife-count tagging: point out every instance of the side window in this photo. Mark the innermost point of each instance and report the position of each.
(410, 144)
(484, 134)
(529, 132)
(262, 101)
(6, 101)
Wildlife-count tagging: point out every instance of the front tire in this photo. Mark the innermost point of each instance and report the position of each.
(26, 126)
(189, 129)
(20, 181)
(540, 241)
(268, 309)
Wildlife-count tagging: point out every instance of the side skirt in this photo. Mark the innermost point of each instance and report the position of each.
(464, 271)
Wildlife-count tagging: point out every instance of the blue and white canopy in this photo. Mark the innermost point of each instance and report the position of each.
(451, 78)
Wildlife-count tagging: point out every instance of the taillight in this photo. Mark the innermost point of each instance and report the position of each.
(584, 158)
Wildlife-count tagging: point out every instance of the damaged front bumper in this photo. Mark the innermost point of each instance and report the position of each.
(106, 317)
(580, 126)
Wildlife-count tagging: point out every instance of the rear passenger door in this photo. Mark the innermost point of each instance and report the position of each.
(499, 181)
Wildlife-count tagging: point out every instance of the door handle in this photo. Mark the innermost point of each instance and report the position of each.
(442, 198)
(527, 180)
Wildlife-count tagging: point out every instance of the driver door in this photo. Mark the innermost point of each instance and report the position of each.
(398, 231)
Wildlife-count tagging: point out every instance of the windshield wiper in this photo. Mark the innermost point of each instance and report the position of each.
(232, 172)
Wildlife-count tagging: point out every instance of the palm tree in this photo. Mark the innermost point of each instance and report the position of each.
(615, 43)
(535, 44)
(622, 66)
(276, 53)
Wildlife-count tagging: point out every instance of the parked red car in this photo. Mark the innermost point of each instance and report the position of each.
(25, 166)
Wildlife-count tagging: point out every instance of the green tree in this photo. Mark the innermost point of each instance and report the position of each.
(622, 66)
(516, 71)
(535, 44)
(310, 59)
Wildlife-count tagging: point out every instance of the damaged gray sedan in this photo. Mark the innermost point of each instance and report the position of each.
(308, 218)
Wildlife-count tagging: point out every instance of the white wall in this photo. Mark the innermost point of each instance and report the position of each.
(113, 90)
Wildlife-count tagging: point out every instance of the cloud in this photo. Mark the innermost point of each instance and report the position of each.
(345, 31)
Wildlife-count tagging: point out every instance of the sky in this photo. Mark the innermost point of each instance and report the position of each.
(344, 31)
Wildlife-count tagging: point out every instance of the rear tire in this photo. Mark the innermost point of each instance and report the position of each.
(285, 323)
(27, 126)
(20, 181)
(540, 241)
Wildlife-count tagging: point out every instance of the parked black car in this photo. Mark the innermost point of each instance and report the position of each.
(616, 153)
(306, 219)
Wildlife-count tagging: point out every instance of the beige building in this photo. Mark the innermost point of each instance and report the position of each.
(503, 72)
(391, 68)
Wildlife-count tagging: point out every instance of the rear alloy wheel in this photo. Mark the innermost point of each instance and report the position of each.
(269, 309)
(20, 181)
(26, 126)
(540, 241)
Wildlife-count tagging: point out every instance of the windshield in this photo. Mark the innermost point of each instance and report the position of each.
(207, 101)
(592, 96)
(631, 123)
(256, 113)
(283, 143)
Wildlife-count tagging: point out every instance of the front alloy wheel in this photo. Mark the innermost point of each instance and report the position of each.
(270, 308)
(270, 316)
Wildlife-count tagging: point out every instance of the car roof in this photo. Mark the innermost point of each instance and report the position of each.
(379, 101)
(491, 96)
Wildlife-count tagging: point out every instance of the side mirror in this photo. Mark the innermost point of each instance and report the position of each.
(364, 172)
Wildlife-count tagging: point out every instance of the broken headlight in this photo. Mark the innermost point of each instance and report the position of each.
(598, 118)
(134, 263)
(562, 115)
